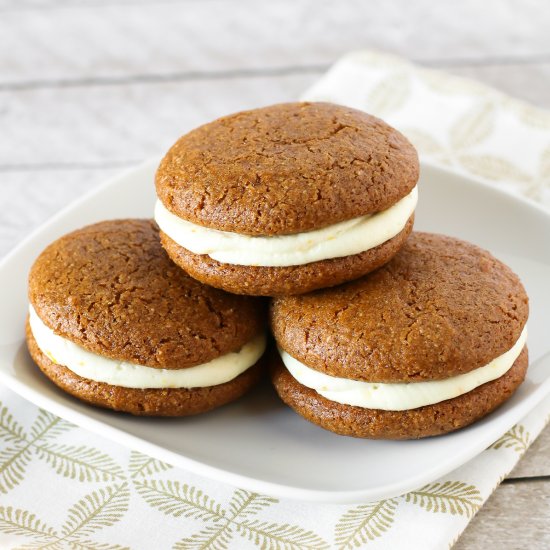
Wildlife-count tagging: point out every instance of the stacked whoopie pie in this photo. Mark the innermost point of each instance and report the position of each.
(115, 323)
(286, 199)
(427, 344)
(380, 333)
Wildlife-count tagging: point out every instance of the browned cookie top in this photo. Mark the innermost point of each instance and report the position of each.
(439, 308)
(286, 168)
(111, 288)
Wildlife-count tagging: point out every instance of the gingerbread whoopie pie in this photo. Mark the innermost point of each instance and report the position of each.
(286, 199)
(116, 324)
(427, 344)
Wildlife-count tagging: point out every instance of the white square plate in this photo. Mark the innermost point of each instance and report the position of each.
(257, 443)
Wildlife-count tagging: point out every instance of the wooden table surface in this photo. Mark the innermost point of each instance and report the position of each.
(89, 87)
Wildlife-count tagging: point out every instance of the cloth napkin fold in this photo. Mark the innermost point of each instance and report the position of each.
(63, 487)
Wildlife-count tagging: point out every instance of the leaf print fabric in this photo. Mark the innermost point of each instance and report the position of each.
(517, 438)
(365, 523)
(64, 488)
(449, 497)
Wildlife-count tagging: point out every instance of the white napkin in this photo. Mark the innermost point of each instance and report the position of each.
(62, 487)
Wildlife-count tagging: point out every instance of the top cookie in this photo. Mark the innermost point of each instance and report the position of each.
(441, 307)
(111, 288)
(286, 169)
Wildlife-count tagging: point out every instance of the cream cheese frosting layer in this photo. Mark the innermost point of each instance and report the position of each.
(335, 241)
(129, 375)
(400, 396)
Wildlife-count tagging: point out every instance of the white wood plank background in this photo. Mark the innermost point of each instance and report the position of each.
(89, 87)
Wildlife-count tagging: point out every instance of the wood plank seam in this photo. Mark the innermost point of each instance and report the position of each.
(31, 6)
(55, 166)
(191, 76)
(527, 479)
(152, 78)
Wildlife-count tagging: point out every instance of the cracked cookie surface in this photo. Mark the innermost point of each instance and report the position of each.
(111, 288)
(285, 169)
(441, 307)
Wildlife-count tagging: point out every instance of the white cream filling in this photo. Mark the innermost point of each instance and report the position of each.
(129, 375)
(335, 241)
(400, 396)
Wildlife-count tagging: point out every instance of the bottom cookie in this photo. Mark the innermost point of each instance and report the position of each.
(430, 420)
(282, 281)
(144, 402)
